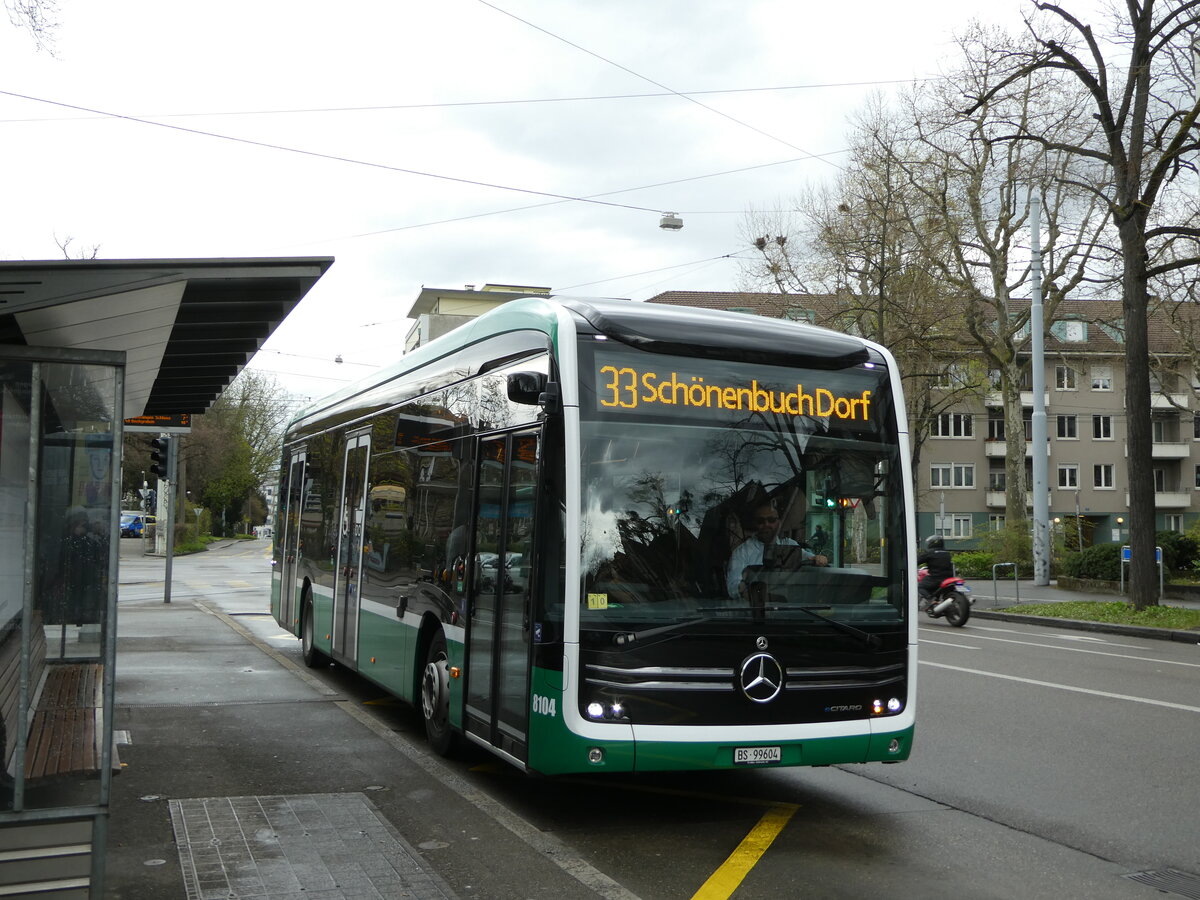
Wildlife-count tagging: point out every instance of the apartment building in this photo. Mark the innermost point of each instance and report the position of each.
(960, 477)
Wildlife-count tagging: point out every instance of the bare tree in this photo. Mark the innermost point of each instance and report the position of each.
(1137, 76)
(973, 194)
(38, 17)
(64, 244)
(854, 246)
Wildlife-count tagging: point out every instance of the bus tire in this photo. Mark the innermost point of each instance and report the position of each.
(435, 696)
(959, 611)
(313, 658)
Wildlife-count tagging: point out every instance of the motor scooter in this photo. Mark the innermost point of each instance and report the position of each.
(952, 599)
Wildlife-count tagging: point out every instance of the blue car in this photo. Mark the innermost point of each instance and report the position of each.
(133, 524)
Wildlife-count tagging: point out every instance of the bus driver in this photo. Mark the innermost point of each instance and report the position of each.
(764, 521)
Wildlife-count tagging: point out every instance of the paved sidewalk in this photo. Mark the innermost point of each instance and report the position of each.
(245, 777)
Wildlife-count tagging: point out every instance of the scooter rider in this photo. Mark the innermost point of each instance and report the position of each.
(938, 563)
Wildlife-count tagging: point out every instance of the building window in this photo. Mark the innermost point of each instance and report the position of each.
(956, 525)
(1173, 522)
(996, 522)
(952, 475)
(996, 429)
(955, 375)
(1068, 476)
(1069, 330)
(954, 425)
(1160, 481)
(1102, 378)
(1064, 378)
(1102, 428)
(1197, 477)
(1066, 427)
(1102, 475)
(1196, 427)
(998, 480)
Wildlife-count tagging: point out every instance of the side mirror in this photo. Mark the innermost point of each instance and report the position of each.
(526, 387)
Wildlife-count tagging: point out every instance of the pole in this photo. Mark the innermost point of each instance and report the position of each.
(1041, 487)
(169, 487)
(1078, 523)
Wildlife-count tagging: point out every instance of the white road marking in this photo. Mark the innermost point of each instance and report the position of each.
(1065, 687)
(1059, 637)
(1151, 659)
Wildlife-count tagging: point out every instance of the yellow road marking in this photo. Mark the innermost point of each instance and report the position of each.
(723, 882)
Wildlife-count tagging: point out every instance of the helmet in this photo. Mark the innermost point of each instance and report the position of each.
(935, 542)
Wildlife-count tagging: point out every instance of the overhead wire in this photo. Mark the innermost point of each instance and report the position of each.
(332, 157)
(652, 81)
(644, 187)
(453, 104)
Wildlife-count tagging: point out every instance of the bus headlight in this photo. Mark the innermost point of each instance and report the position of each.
(615, 710)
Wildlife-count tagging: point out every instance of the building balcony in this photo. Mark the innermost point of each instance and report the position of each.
(995, 398)
(998, 498)
(1000, 449)
(1169, 499)
(1170, 401)
(1170, 449)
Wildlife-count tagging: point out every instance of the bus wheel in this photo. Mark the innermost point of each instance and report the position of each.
(313, 658)
(435, 696)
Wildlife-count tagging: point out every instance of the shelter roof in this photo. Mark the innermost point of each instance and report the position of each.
(187, 326)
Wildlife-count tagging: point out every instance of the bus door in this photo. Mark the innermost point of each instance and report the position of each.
(348, 572)
(498, 641)
(292, 511)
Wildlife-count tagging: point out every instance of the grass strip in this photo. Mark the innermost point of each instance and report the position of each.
(1117, 613)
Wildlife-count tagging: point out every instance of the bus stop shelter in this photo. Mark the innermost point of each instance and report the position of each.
(85, 345)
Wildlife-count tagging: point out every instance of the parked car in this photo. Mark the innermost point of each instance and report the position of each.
(133, 524)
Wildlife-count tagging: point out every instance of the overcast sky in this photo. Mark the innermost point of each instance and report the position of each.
(432, 144)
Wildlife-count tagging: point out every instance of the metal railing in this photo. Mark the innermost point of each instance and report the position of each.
(996, 582)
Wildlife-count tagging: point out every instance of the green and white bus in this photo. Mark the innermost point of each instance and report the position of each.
(526, 528)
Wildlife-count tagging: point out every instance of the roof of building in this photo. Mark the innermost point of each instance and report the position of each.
(187, 326)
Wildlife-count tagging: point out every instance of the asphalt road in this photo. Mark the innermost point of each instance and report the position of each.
(1048, 763)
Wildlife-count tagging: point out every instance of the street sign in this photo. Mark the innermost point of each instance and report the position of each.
(1157, 554)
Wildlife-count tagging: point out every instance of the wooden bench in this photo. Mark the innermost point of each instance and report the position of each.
(65, 715)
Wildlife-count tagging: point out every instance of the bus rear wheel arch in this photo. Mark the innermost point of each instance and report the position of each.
(435, 695)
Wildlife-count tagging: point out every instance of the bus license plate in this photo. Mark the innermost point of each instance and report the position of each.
(755, 756)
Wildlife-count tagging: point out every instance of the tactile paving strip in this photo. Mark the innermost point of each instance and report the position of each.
(314, 846)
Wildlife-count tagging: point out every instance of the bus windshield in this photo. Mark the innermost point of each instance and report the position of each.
(698, 514)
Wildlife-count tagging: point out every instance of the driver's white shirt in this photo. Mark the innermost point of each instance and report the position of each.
(750, 553)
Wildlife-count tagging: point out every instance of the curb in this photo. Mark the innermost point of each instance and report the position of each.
(1162, 634)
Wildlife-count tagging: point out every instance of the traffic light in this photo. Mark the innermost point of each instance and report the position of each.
(160, 457)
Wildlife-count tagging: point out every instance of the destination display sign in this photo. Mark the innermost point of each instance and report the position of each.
(177, 423)
(629, 388)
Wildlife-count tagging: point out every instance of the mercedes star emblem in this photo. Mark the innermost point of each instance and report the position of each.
(761, 678)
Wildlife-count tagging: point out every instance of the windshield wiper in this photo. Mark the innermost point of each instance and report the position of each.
(873, 641)
(621, 638)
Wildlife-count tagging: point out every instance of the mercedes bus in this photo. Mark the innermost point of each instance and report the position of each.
(528, 529)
